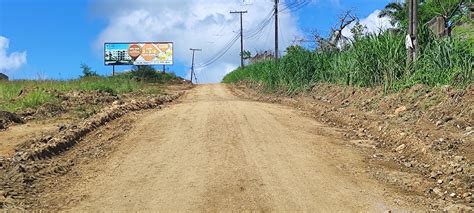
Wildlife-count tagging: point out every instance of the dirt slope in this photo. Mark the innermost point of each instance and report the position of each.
(419, 139)
(214, 151)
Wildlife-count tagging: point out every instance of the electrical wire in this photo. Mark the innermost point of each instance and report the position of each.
(221, 53)
(256, 33)
(294, 5)
(261, 26)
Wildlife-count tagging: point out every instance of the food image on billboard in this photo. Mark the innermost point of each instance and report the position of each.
(146, 53)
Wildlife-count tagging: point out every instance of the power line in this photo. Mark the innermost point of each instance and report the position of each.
(261, 26)
(221, 53)
(228, 45)
(256, 33)
(294, 5)
(263, 31)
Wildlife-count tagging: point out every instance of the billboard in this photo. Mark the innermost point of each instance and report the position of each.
(138, 53)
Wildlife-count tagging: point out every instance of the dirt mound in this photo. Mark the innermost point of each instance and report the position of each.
(421, 138)
(47, 110)
(7, 118)
(75, 98)
(19, 173)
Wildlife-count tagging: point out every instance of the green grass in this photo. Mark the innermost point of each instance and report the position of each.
(31, 100)
(40, 92)
(373, 60)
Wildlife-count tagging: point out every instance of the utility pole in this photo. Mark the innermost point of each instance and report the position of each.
(415, 28)
(276, 30)
(192, 66)
(412, 41)
(241, 37)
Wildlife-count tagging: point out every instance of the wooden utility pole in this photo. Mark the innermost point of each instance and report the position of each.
(415, 28)
(412, 42)
(276, 30)
(192, 65)
(241, 37)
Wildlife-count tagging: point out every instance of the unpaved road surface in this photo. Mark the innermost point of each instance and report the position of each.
(214, 151)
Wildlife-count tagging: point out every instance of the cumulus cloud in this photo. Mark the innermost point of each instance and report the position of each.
(10, 62)
(373, 24)
(193, 23)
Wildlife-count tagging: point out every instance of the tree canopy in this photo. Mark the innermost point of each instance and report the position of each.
(450, 10)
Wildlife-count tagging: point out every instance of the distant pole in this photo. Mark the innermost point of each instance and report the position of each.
(241, 37)
(192, 64)
(276, 30)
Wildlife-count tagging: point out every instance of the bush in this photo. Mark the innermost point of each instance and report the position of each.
(144, 72)
(88, 72)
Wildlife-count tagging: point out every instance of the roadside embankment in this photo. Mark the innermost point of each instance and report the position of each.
(420, 139)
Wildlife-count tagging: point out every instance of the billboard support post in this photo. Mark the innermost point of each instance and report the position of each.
(164, 69)
(113, 70)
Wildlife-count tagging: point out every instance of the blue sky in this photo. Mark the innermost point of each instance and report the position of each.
(54, 36)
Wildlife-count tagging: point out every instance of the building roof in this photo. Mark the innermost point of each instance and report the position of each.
(3, 76)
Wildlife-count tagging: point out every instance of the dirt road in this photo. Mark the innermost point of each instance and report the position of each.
(214, 151)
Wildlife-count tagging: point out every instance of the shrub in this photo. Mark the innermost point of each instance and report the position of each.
(88, 72)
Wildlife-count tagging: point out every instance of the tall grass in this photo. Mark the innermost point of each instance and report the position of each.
(373, 60)
(444, 62)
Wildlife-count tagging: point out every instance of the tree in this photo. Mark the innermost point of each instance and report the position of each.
(87, 71)
(144, 72)
(247, 54)
(397, 12)
(449, 10)
(336, 40)
(358, 30)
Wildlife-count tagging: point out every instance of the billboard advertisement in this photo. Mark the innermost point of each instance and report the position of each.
(138, 53)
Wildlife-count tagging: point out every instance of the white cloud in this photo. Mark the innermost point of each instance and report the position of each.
(193, 23)
(373, 24)
(10, 62)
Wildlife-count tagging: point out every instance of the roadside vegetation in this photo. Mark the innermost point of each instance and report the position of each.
(22, 94)
(370, 60)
